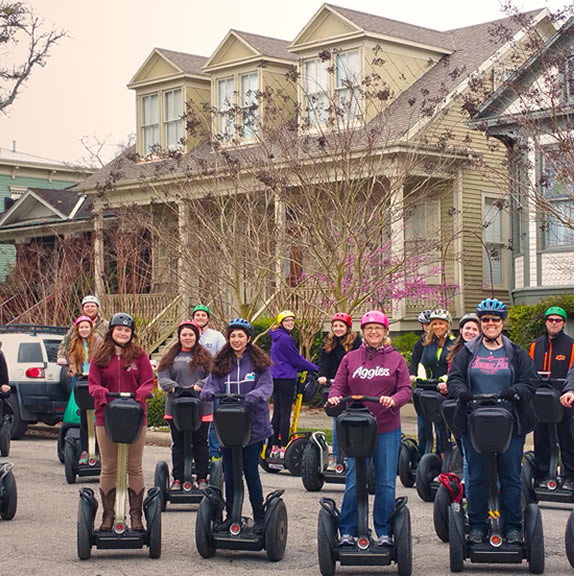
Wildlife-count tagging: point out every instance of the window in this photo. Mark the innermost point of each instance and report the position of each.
(493, 247)
(52, 349)
(316, 86)
(30, 352)
(150, 128)
(249, 104)
(226, 107)
(347, 84)
(423, 228)
(173, 119)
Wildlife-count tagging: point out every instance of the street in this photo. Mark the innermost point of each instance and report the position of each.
(41, 540)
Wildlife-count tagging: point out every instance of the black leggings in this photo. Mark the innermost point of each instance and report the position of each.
(199, 451)
(282, 397)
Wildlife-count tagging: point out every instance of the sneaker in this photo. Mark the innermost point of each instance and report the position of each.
(514, 537)
(346, 540)
(83, 458)
(202, 484)
(176, 485)
(385, 540)
(281, 453)
(476, 536)
(274, 451)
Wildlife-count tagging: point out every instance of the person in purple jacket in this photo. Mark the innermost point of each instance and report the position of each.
(244, 368)
(286, 363)
(374, 369)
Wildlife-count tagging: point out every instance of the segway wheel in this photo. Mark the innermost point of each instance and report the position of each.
(5, 436)
(527, 480)
(161, 480)
(569, 539)
(84, 530)
(60, 444)
(312, 479)
(402, 528)
(534, 540)
(217, 474)
(294, 453)
(456, 542)
(428, 468)
(276, 533)
(327, 536)
(204, 529)
(407, 464)
(264, 464)
(441, 507)
(8, 497)
(155, 533)
(70, 459)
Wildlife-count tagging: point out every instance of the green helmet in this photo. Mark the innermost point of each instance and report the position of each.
(201, 307)
(556, 311)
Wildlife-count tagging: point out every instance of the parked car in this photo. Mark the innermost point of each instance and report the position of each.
(40, 387)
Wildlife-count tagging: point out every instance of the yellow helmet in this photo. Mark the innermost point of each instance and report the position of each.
(285, 314)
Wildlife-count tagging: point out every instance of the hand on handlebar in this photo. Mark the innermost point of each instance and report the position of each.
(567, 399)
(334, 400)
(387, 401)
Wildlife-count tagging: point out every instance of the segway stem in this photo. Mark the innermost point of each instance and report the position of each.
(188, 456)
(91, 430)
(121, 484)
(238, 484)
(362, 496)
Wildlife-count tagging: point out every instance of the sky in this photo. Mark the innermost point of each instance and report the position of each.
(82, 93)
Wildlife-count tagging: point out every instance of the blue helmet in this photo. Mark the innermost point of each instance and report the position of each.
(240, 323)
(492, 306)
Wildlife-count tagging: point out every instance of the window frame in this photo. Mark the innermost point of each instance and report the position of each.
(176, 121)
(144, 126)
(493, 244)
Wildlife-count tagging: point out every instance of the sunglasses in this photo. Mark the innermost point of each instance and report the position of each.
(486, 319)
(554, 320)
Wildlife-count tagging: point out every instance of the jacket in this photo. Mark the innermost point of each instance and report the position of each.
(138, 378)
(432, 364)
(370, 372)
(286, 359)
(257, 386)
(212, 340)
(554, 355)
(523, 383)
(416, 355)
(329, 361)
(100, 325)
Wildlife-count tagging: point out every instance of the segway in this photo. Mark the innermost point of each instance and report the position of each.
(569, 539)
(72, 443)
(292, 460)
(408, 458)
(123, 421)
(6, 419)
(490, 427)
(546, 403)
(8, 491)
(358, 436)
(187, 417)
(233, 425)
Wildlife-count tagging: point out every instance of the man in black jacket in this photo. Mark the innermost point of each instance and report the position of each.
(553, 355)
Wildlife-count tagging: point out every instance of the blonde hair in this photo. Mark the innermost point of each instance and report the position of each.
(430, 336)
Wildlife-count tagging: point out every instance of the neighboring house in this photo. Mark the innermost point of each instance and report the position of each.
(18, 173)
(533, 114)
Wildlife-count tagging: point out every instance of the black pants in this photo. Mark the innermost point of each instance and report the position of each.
(83, 431)
(282, 397)
(566, 440)
(199, 451)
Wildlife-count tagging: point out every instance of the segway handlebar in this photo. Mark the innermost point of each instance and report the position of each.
(334, 410)
(428, 384)
(235, 396)
(545, 380)
(479, 398)
(124, 395)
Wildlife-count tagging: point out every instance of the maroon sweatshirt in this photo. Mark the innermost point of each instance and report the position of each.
(375, 373)
(137, 378)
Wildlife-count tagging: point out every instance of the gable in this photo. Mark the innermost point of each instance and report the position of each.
(323, 26)
(155, 67)
(29, 208)
(232, 49)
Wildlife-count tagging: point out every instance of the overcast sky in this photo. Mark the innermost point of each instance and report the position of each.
(82, 90)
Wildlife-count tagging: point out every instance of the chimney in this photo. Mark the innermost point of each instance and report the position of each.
(13, 145)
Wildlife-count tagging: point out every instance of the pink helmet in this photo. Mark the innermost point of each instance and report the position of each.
(189, 324)
(343, 317)
(374, 317)
(83, 319)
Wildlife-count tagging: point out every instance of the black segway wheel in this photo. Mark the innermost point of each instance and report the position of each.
(5, 436)
(442, 502)
(293, 455)
(70, 460)
(155, 533)
(204, 529)
(429, 467)
(527, 481)
(327, 538)
(456, 535)
(276, 533)
(312, 479)
(217, 474)
(84, 530)
(407, 462)
(60, 444)
(8, 497)
(162, 480)
(534, 538)
(402, 528)
(569, 539)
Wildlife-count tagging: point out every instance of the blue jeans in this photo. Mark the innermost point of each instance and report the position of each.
(509, 469)
(213, 442)
(250, 462)
(386, 465)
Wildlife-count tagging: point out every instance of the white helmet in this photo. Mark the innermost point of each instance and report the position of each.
(91, 299)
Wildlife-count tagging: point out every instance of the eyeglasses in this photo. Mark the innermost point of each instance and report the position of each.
(374, 329)
(486, 319)
(555, 320)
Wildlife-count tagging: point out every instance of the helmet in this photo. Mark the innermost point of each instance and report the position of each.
(190, 324)
(343, 317)
(440, 314)
(492, 306)
(374, 317)
(556, 311)
(122, 319)
(424, 317)
(468, 318)
(240, 323)
(91, 299)
(201, 307)
(283, 315)
(83, 319)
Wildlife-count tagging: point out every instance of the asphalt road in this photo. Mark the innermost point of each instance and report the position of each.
(41, 539)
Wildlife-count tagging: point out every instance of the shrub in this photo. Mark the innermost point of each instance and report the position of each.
(156, 408)
(405, 343)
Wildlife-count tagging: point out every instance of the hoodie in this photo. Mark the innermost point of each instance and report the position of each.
(287, 361)
(370, 372)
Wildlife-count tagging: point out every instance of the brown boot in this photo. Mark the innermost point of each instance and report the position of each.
(136, 510)
(107, 510)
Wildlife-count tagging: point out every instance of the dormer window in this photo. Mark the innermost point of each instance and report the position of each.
(225, 107)
(173, 118)
(162, 110)
(150, 126)
(248, 92)
(238, 106)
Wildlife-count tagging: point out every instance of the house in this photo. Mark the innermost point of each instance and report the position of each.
(532, 113)
(356, 112)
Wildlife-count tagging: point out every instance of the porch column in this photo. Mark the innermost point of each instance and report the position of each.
(183, 280)
(397, 236)
(99, 283)
(280, 224)
(458, 224)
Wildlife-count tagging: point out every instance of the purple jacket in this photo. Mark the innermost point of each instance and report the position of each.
(287, 361)
(375, 373)
(257, 386)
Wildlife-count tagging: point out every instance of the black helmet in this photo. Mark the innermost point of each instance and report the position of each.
(122, 319)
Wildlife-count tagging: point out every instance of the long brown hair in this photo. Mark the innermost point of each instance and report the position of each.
(458, 345)
(76, 351)
(200, 357)
(105, 350)
(347, 342)
(226, 359)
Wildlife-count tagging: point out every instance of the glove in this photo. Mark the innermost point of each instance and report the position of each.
(508, 393)
(466, 396)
